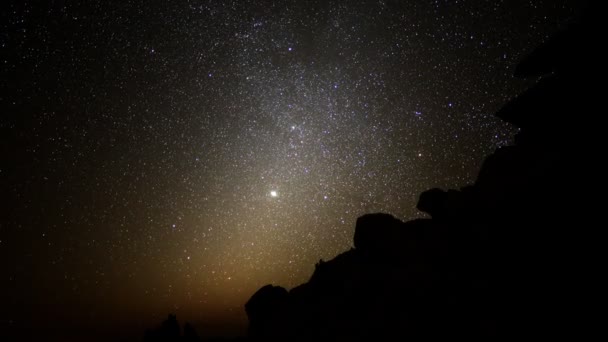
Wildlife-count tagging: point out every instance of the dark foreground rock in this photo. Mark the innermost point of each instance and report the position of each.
(516, 255)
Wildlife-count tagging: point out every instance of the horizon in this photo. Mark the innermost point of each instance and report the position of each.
(175, 158)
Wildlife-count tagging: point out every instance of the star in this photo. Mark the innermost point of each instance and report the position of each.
(191, 128)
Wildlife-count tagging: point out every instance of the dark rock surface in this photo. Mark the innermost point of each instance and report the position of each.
(516, 255)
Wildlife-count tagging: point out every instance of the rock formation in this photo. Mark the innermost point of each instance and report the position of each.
(515, 255)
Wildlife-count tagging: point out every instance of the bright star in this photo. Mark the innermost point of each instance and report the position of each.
(274, 193)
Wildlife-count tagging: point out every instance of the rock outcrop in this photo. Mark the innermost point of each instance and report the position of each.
(514, 255)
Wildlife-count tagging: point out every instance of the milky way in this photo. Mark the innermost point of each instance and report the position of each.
(176, 156)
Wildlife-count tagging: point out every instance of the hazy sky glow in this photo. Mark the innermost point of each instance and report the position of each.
(176, 156)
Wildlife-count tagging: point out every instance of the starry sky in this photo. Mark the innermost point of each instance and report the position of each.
(175, 156)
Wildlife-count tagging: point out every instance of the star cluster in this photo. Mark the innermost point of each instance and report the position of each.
(176, 156)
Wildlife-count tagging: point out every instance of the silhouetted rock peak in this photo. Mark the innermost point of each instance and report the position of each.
(265, 310)
(570, 63)
(575, 50)
(268, 295)
(511, 255)
(169, 331)
(374, 232)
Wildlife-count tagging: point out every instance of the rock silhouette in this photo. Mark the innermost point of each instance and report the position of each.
(514, 255)
(169, 331)
(266, 311)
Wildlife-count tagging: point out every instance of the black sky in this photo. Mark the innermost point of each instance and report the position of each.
(175, 156)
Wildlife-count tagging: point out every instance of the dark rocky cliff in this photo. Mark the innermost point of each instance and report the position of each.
(514, 255)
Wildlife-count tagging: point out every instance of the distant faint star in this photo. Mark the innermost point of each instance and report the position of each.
(199, 122)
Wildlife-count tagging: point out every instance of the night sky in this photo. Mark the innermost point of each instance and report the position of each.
(175, 156)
